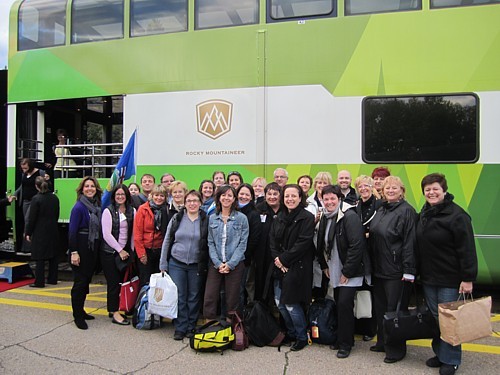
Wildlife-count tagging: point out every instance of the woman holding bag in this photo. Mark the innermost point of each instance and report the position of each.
(184, 255)
(117, 224)
(447, 258)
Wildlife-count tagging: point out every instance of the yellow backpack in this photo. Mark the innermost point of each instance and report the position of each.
(214, 336)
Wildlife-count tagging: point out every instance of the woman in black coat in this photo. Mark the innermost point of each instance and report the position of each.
(447, 259)
(392, 240)
(292, 248)
(340, 251)
(42, 232)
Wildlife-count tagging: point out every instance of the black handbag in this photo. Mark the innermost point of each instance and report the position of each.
(414, 324)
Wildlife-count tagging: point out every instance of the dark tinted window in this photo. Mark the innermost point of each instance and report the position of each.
(41, 24)
(289, 9)
(421, 129)
(353, 7)
(460, 3)
(224, 13)
(149, 17)
(94, 20)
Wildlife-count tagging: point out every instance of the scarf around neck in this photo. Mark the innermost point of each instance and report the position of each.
(157, 212)
(94, 209)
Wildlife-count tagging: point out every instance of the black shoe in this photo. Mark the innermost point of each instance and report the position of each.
(367, 338)
(433, 362)
(189, 334)
(288, 341)
(81, 324)
(37, 286)
(447, 369)
(110, 315)
(377, 349)
(124, 322)
(178, 336)
(392, 360)
(299, 345)
(343, 353)
(334, 347)
(88, 317)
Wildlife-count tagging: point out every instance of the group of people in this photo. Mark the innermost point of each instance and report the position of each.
(228, 243)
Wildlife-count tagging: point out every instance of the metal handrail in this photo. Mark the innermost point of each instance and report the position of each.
(91, 156)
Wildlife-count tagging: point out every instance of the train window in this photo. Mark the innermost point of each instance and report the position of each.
(460, 3)
(41, 24)
(148, 17)
(222, 13)
(421, 129)
(354, 7)
(289, 9)
(95, 20)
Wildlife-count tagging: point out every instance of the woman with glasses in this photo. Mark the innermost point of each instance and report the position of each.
(117, 223)
(184, 255)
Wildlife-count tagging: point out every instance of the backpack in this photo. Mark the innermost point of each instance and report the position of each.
(142, 319)
(214, 336)
(323, 321)
(240, 337)
(261, 326)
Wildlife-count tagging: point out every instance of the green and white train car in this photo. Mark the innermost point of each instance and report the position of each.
(251, 85)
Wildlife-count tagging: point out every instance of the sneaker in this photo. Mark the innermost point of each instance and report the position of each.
(447, 369)
(433, 362)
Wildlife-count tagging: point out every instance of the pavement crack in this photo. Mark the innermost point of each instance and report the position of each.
(285, 367)
(159, 360)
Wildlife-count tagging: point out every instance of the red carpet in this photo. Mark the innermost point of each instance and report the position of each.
(4, 284)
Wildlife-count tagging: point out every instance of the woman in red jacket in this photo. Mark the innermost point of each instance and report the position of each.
(150, 225)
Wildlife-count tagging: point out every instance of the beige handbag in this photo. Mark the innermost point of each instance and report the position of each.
(465, 320)
(363, 304)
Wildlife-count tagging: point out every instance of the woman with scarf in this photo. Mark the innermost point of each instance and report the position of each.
(292, 249)
(447, 259)
(84, 239)
(246, 198)
(150, 225)
(341, 251)
(117, 225)
(207, 191)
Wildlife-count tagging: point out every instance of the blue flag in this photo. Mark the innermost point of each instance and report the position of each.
(123, 170)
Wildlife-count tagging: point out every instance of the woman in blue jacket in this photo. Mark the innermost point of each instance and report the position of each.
(227, 241)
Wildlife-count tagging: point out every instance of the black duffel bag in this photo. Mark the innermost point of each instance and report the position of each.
(261, 326)
(322, 317)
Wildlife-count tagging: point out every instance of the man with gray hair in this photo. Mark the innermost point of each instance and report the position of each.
(281, 176)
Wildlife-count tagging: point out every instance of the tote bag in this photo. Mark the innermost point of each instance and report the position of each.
(162, 296)
(465, 320)
(129, 290)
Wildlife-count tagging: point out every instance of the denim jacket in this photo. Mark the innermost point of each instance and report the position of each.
(236, 241)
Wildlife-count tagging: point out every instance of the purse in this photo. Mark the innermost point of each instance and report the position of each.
(128, 291)
(363, 304)
(414, 324)
(465, 320)
(240, 337)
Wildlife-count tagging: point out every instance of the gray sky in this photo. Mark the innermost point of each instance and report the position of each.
(4, 31)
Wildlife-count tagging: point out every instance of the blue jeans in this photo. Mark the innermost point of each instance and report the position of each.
(449, 354)
(188, 284)
(293, 315)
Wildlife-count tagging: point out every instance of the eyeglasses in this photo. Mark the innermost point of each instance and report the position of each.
(189, 201)
(234, 173)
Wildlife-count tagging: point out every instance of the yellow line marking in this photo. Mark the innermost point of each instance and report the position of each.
(478, 348)
(90, 297)
(495, 318)
(47, 306)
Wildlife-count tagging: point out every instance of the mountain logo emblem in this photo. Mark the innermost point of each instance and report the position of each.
(214, 117)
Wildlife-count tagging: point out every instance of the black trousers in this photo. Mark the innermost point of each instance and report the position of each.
(344, 297)
(82, 276)
(152, 266)
(113, 279)
(40, 271)
(386, 294)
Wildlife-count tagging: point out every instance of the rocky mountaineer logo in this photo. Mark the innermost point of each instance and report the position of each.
(214, 117)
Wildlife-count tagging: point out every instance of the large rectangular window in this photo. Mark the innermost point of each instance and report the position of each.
(421, 129)
(41, 24)
(148, 17)
(292, 9)
(460, 3)
(223, 13)
(94, 20)
(354, 7)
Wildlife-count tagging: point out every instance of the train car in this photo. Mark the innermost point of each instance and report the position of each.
(252, 85)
